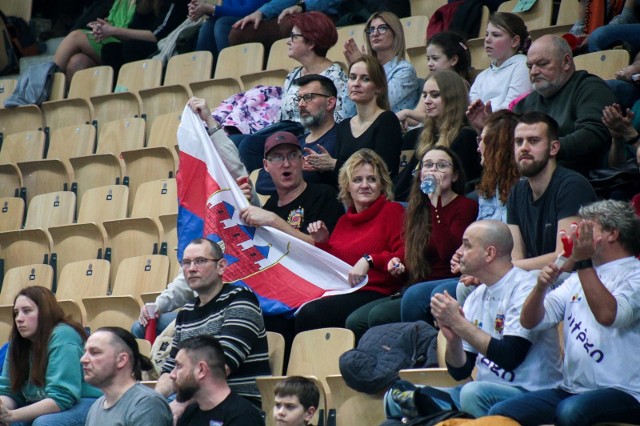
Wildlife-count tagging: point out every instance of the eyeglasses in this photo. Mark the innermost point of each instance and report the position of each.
(308, 97)
(279, 158)
(382, 30)
(293, 36)
(199, 262)
(441, 165)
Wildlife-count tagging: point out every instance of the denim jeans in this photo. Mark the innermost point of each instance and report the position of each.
(565, 409)
(605, 37)
(477, 398)
(74, 416)
(416, 301)
(163, 322)
(214, 34)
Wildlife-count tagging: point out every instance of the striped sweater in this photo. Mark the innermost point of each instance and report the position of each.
(233, 317)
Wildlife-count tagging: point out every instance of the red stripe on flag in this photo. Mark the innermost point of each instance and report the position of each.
(279, 283)
(195, 185)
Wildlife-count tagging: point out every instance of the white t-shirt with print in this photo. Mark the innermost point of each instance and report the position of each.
(596, 356)
(496, 310)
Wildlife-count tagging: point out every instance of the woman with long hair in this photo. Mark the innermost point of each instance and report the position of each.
(445, 51)
(42, 376)
(435, 219)
(373, 126)
(384, 40)
(446, 99)
(367, 236)
(499, 176)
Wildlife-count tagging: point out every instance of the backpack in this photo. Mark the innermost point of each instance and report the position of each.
(21, 36)
(386, 349)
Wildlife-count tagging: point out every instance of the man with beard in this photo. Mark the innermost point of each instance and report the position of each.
(199, 377)
(228, 312)
(547, 200)
(113, 363)
(574, 98)
(317, 97)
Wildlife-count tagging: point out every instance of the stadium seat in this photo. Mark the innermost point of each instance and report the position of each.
(67, 112)
(135, 276)
(11, 213)
(145, 165)
(103, 203)
(356, 32)
(216, 90)
(425, 7)
(350, 407)
(84, 278)
(115, 106)
(188, 68)
(604, 63)
(164, 133)
(10, 180)
(51, 209)
(265, 78)
(538, 16)
(138, 75)
(279, 58)
(58, 87)
(163, 100)
(20, 119)
(234, 61)
(23, 146)
(276, 352)
(92, 81)
(131, 237)
(313, 353)
(568, 13)
(169, 224)
(75, 242)
(155, 198)
(418, 58)
(479, 58)
(415, 30)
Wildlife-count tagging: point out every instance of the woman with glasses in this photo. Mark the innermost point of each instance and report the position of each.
(42, 379)
(373, 127)
(367, 236)
(384, 40)
(445, 96)
(437, 215)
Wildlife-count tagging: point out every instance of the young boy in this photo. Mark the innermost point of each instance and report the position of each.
(297, 400)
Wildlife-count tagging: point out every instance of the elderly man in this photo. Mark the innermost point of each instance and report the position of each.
(575, 99)
(600, 307)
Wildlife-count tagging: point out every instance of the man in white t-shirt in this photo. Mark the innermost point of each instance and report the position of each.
(510, 359)
(600, 307)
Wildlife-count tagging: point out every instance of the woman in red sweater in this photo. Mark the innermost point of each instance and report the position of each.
(368, 237)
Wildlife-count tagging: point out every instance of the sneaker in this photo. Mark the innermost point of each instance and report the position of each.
(406, 402)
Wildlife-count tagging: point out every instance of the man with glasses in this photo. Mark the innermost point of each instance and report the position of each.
(316, 100)
(227, 312)
(296, 203)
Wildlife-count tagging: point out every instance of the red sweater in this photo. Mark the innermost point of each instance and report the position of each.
(376, 231)
(448, 224)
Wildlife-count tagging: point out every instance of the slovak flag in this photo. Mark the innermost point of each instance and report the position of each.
(282, 270)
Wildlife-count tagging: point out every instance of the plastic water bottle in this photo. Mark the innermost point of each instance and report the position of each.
(429, 184)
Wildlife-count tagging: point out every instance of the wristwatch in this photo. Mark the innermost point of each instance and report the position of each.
(302, 5)
(369, 260)
(212, 130)
(583, 264)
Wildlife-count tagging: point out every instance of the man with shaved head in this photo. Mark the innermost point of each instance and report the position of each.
(487, 334)
(575, 99)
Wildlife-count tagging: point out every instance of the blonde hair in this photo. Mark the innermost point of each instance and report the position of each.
(361, 157)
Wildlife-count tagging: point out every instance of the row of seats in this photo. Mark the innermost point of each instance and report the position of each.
(98, 205)
(114, 239)
(84, 289)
